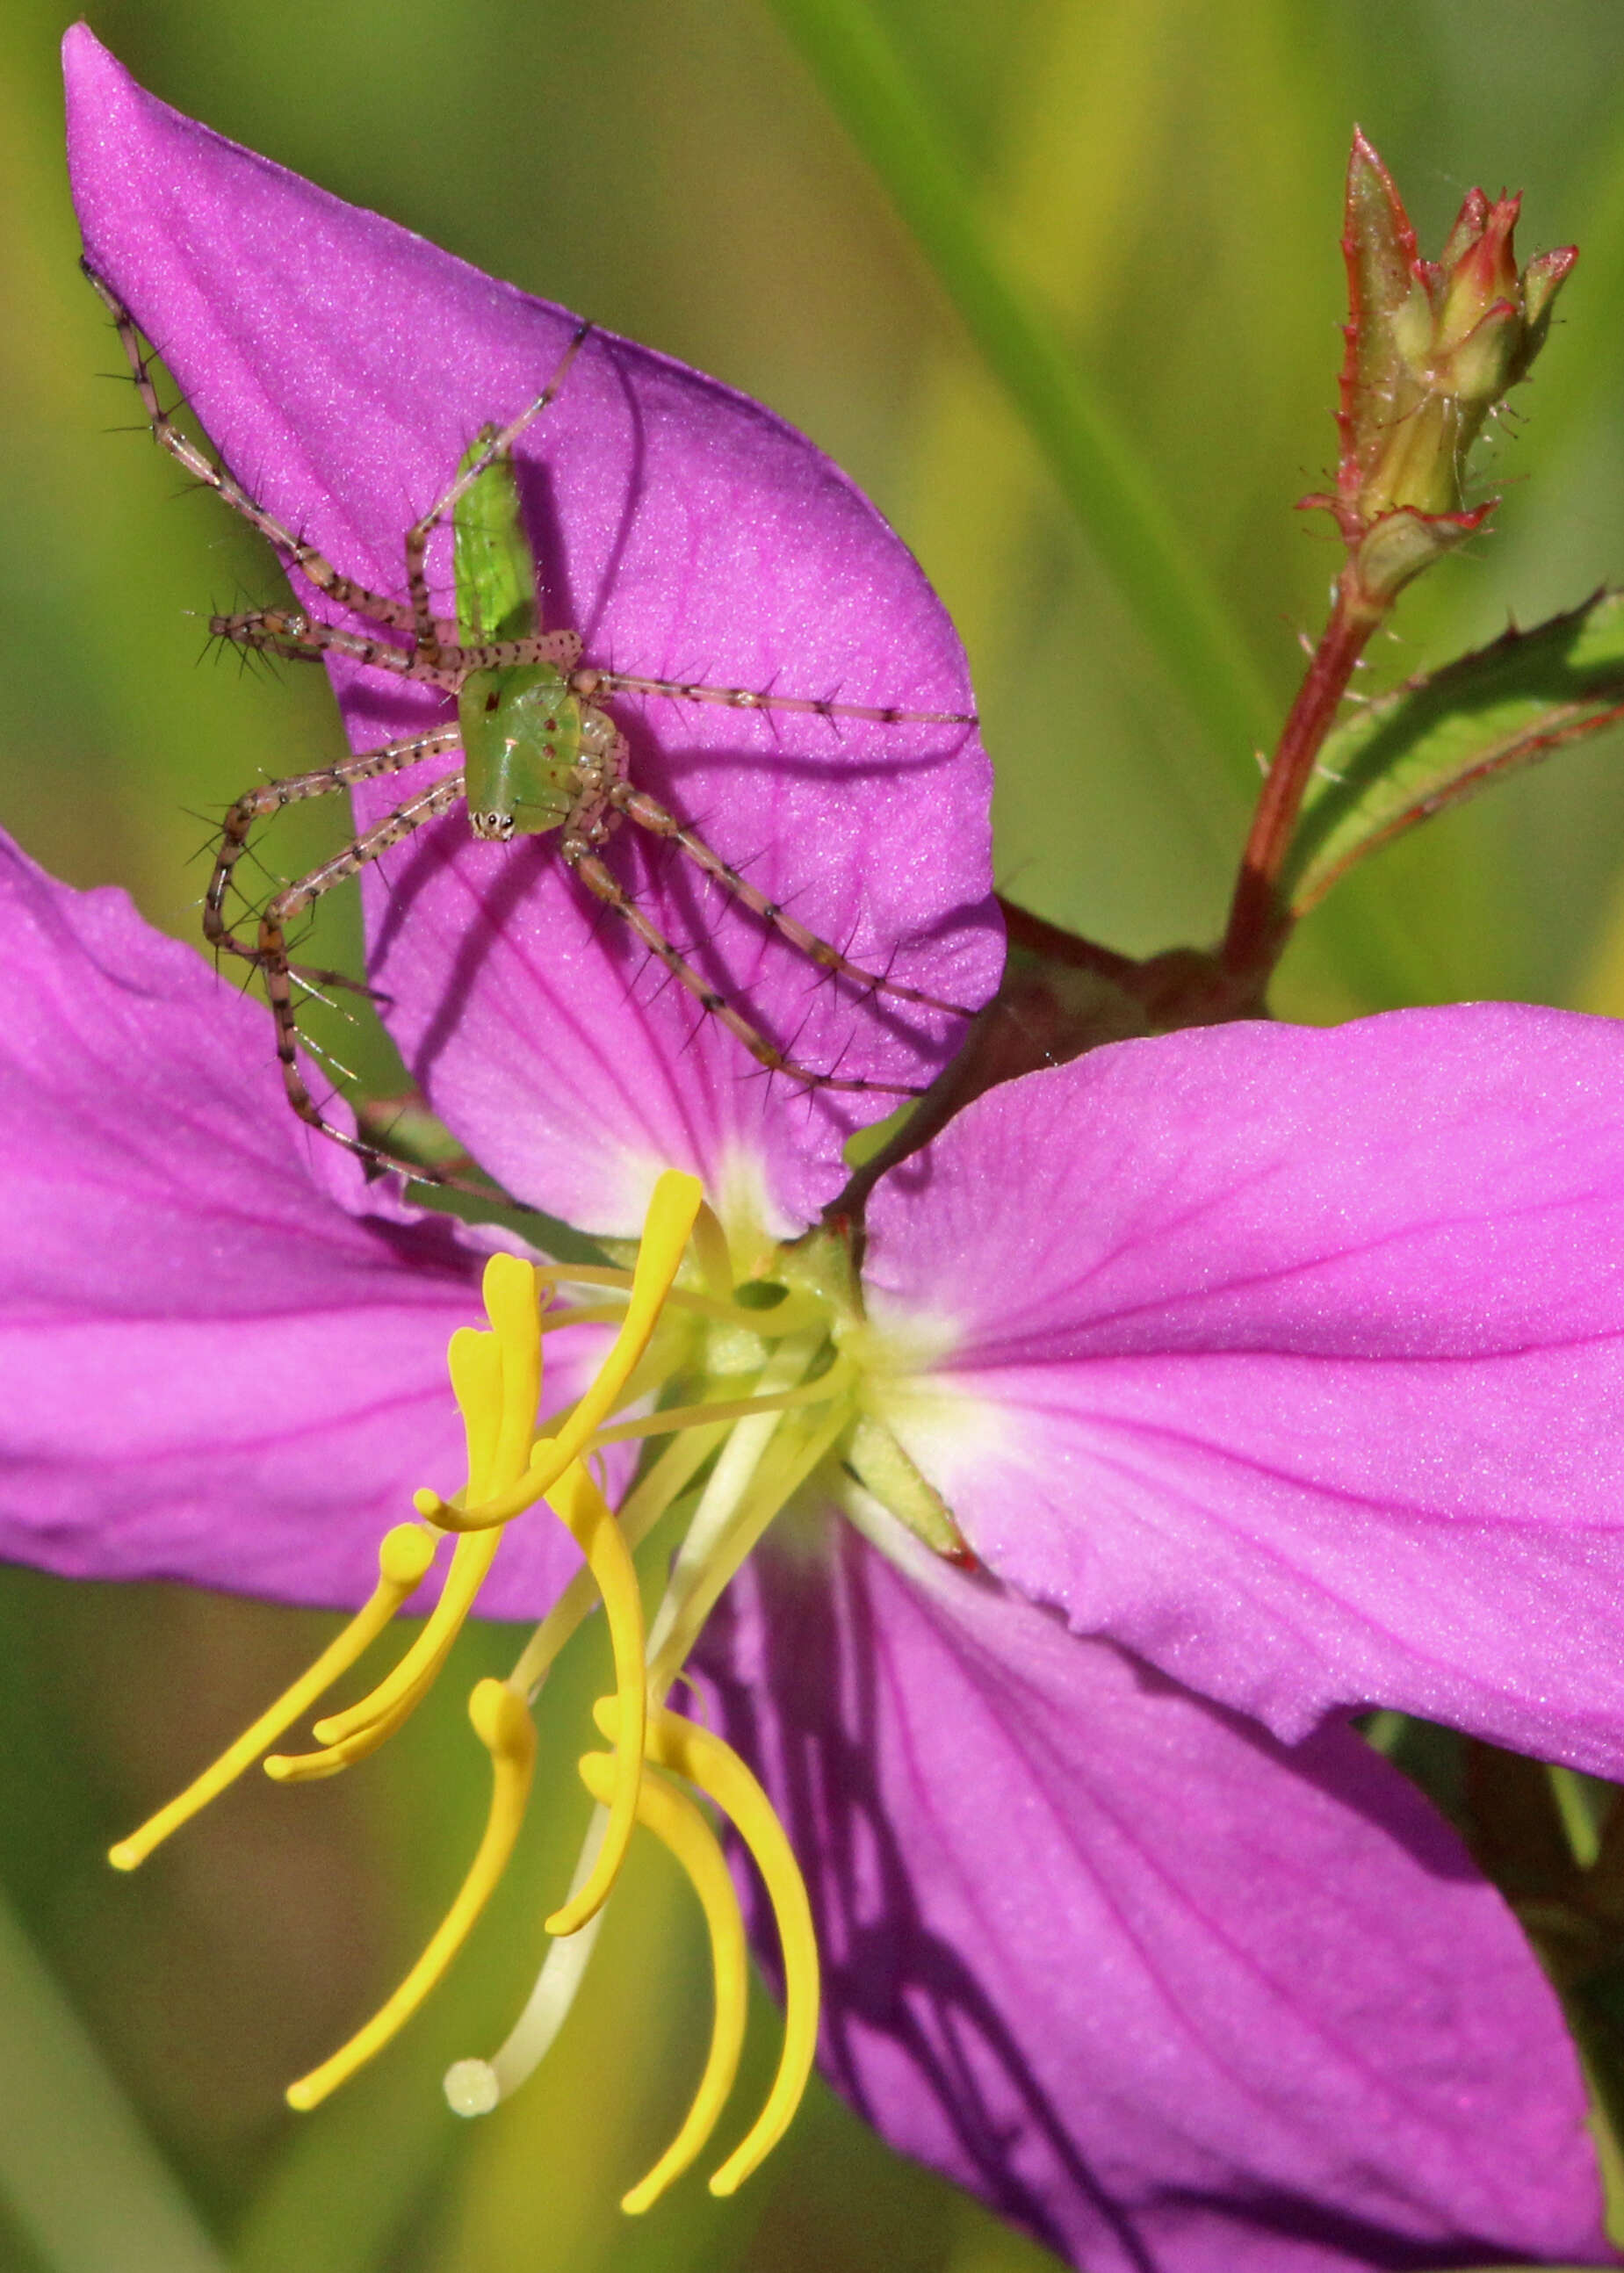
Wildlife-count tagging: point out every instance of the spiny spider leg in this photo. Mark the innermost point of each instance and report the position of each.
(601, 795)
(360, 598)
(436, 660)
(270, 797)
(271, 952)
(649, 813)
(300, 638)
(428, 647)
(596, 808)
(589, 684)
(290, 633)
(603, 886)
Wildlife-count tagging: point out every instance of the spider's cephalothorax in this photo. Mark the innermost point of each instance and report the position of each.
(539, 754)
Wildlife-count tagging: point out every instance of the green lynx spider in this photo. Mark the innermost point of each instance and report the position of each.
(538, 753)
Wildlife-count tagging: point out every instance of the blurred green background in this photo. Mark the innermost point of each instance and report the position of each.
(1162, 177)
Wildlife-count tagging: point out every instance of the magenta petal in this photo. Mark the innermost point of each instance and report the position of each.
(1173, 1999)
(1294, 1360)
(342, 364)
(224, 1355)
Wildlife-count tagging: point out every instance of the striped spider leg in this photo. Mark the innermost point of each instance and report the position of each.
(539, 753)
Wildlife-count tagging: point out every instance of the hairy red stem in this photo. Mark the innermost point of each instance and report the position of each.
(1259, 922)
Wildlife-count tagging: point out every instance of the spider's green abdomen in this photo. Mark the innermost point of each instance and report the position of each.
(520, 745)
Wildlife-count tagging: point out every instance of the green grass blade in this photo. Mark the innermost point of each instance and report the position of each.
(1437, 740)
(77, 2172)
(1096, 465)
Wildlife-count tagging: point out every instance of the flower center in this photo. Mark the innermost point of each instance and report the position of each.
(754, 1385)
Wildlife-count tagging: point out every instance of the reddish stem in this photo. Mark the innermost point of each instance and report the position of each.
(1259, 922)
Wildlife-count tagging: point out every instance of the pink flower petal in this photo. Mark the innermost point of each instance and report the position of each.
(1173, 1999)
(342, 364)
(1294, 1360)
(224, 1354)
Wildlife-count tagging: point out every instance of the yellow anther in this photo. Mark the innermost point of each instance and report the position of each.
(665, 1235)
(474, 1361)
(496, 1380)
(718, 1771)
(361, 1727)
(509, 1734)
(403, 1558)
(675, 1820)
(510, 1302)
(587, 1515)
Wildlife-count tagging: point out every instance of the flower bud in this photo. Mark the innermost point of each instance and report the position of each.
(1432, 345)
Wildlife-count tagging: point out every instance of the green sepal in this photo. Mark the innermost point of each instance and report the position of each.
(1439, 739)
(883, 1469)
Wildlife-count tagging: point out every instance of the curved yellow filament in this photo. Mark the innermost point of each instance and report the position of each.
(675, 1820)
(403, 1558)
(794, 1314)
(587, 1515)
(765, 1448)
(496, 1378)
(360, 1730)
(664, 1482)
(671, 1216)
(718, 1771)
(509, 1734)
(671, 1418)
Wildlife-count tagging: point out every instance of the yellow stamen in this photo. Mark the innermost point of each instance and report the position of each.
(672, 1417)
(496, 1378)
(582, 1508)
(403, 1558)
(474, 2087)
(675, 1820)
(359, 1729)
(665, 1481)
(509, 1734)
(583, 1274)
(794, 1314)
(718, 1771)
(666, 1235)
(770, 1478)
(474, 1361)
(510, 1301)
(583, 1314)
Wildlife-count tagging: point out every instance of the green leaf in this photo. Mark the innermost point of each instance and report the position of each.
(1440, 739)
